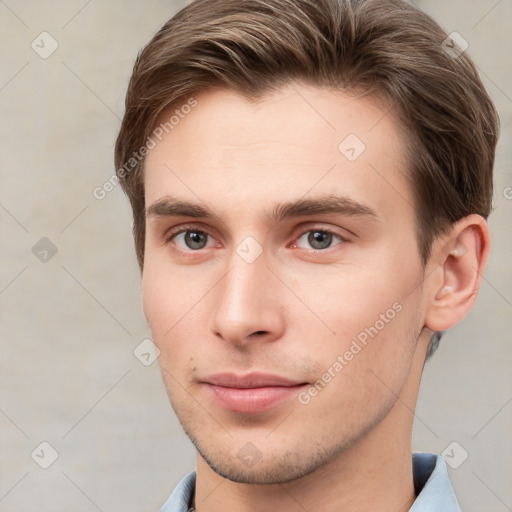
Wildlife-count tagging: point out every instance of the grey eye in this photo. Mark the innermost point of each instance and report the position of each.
(320, 239)
(194, 239)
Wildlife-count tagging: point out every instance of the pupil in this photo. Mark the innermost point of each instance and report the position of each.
(320, 239)
(195, 240)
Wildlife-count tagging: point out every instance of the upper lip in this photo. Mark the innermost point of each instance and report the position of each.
(250, 380)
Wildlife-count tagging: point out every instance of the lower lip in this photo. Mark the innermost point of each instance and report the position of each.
(252, 400)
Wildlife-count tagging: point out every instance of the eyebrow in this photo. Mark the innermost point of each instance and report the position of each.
(170, 207)
(339, 205)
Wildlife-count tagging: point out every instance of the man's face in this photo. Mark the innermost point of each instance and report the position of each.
(282, 278)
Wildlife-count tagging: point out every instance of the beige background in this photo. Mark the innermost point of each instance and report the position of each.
(68, 375)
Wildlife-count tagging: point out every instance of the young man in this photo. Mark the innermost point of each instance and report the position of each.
(309, 181)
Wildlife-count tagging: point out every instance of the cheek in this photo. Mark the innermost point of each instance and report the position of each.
(349, 299)
(368, 367)
(167, 291)
(157, 293)
(375, 314)
(172, 305)
(162, 309)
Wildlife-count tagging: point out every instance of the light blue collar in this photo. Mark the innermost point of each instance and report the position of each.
(430, 479)
(431, 476)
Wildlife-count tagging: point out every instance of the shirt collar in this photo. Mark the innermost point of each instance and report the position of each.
(181, 497)
(431, 481)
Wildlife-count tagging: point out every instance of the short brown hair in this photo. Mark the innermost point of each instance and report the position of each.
(387, 48)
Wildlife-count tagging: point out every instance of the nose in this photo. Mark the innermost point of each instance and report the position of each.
(247, 305)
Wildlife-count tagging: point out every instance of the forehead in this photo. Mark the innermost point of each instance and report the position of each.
(288, 144)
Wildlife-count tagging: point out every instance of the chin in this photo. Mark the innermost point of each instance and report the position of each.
(262, 473)
(275, 466)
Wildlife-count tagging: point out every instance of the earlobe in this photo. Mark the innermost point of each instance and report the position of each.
(460, 259)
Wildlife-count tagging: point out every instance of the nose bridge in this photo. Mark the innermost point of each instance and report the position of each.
(243, 288)
(244, 304)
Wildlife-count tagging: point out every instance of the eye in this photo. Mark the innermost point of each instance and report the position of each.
(318, 240)
(192, 239)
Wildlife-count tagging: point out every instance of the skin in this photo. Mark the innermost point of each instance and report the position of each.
(297, 307)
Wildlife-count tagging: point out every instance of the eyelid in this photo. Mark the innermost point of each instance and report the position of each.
(342, 233)
(336, 240)
(173, 232)
(176, 230)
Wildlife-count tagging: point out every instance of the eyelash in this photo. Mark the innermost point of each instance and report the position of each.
(183, 229)
(319, 230)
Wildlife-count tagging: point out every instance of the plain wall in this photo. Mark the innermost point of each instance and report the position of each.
(69, 325)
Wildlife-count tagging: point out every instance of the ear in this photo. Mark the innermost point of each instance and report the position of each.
(456, 266)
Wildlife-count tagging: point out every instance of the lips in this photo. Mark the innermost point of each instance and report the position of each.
(251, 393)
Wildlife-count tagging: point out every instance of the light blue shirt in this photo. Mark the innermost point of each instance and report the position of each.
(433, 487)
